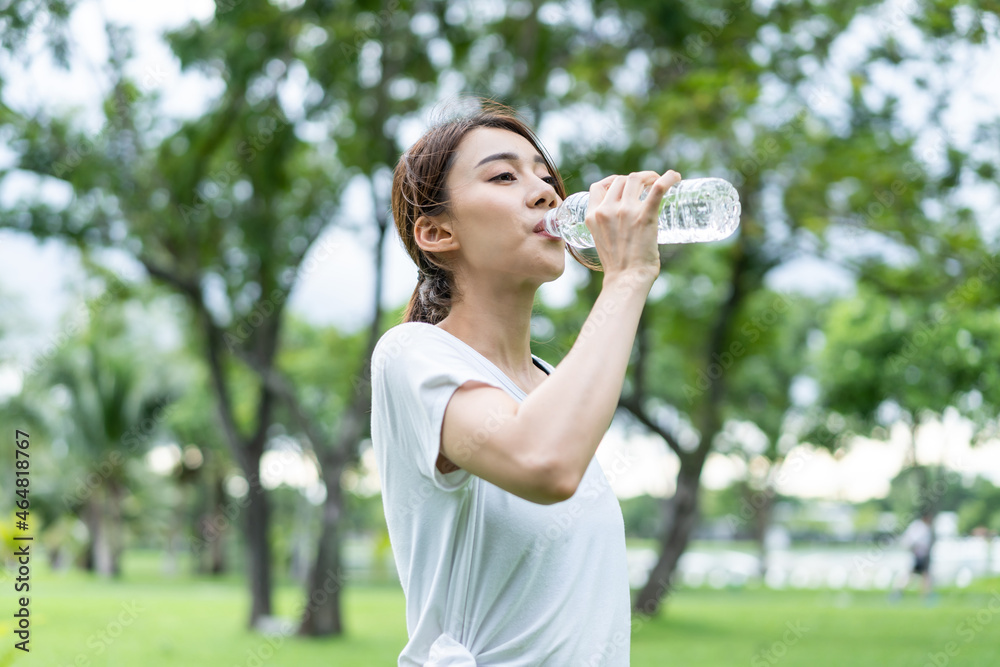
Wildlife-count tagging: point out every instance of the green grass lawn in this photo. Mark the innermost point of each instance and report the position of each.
(148, 620)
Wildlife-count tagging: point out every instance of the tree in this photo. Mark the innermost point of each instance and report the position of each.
(223, 209)
(819, 174)
(206, 511)
(111, 411)
(229, 204)
(892, 357)
(761, 430)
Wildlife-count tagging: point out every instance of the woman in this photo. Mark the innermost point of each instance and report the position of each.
(508, 540)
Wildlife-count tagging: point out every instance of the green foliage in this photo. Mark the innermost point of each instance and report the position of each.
(224, 207)
(19, 21)
(324, 365)
(642, 515)
(919, 356)
(982, 509)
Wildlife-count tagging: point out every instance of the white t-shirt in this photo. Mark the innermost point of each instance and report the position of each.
(490, 578)
(917, 538)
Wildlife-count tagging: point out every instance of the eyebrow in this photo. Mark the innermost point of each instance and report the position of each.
(507, 156)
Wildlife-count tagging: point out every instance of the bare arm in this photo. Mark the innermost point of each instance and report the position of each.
(539, 449)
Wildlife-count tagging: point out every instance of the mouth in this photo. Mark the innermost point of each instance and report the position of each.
(540, 229)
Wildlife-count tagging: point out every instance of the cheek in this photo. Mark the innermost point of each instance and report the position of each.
(493, 248)
(489, 228)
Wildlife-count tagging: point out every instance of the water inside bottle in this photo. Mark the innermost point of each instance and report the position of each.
(710, 212)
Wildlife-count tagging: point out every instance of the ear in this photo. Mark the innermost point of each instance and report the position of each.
(434, 235)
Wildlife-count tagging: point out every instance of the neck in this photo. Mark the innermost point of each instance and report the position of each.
(495, 320)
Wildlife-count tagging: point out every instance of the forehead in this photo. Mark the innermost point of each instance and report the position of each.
(485, 141)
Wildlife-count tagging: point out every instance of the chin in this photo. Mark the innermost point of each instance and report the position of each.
(557, 272)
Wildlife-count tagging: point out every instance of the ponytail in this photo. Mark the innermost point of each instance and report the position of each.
(432, 297)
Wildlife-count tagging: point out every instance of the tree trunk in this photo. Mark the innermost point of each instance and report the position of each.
(681, 515)
(210, 527)
(116, 528)
(216, 564)
(260, 352)
(924, 500)
(92, 518)
(256, 526)
(216, 538)
(322, 615)
(101, 559)
(763, 510)
(682, 510)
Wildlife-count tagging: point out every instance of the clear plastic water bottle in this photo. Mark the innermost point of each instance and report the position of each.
(700, 209)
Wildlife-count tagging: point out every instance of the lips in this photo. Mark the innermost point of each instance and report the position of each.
(540, 229)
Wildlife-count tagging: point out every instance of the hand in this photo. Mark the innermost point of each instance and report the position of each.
(625, 228)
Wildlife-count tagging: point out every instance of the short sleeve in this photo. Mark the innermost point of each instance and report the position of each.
(415, 372)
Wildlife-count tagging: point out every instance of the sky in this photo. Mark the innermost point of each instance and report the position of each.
(41, 276)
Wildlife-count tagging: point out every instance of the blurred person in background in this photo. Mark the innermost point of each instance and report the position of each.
(919, 539)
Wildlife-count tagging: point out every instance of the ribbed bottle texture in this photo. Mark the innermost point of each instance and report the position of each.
(700, 209)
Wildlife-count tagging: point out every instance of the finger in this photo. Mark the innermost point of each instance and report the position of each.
(603, 184)
(659, 188)
(637, 182)
(599, 190)
(600, 193)
(615, 189)
(606, 181)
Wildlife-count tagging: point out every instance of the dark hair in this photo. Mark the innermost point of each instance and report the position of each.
(418, 188)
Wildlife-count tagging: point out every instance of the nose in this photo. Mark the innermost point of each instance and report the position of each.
(544, 196)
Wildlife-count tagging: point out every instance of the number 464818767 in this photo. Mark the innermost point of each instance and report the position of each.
(21, 466)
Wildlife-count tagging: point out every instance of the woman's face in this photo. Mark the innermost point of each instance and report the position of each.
(499, 189)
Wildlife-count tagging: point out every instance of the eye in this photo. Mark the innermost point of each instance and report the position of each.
(501, 177)
(551, 180)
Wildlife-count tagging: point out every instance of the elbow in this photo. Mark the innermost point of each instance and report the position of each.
(564, 491)
(558, 483)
